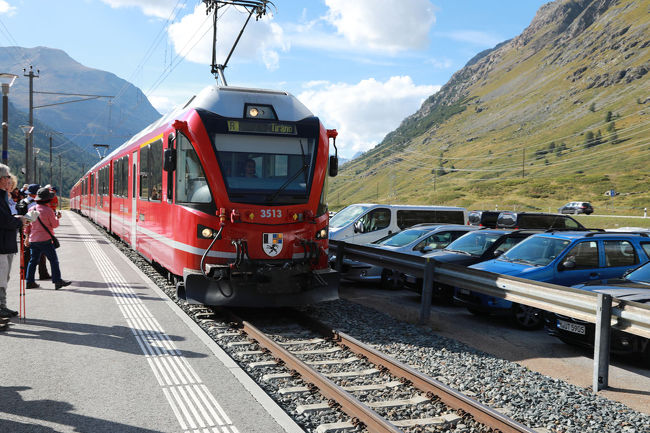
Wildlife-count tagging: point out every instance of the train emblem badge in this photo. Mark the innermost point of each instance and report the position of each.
(272, 243)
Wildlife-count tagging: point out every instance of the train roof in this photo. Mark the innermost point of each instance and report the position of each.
(226, 101)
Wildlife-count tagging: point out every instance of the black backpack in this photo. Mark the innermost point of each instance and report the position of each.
(22, 207)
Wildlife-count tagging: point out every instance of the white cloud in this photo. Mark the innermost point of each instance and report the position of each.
(162, 103)
(6, 8)
(383, 25)
(365, 112)
(443, 63)
(263, 39)
(155, 8)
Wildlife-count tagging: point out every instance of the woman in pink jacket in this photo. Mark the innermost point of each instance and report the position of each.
(40, 241)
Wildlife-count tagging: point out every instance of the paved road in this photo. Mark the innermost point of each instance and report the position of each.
(629, 382)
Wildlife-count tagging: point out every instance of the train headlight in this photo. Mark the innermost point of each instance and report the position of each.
(322, 233)
(203, 232)
(259, 111)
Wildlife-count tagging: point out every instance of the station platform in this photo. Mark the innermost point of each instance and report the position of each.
(112, 353)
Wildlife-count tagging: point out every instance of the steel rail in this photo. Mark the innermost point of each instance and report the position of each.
(431, 387)
(350, 405)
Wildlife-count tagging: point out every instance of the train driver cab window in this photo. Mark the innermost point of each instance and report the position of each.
(191, 184)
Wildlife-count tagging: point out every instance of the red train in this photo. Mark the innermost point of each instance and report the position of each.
(228, 194)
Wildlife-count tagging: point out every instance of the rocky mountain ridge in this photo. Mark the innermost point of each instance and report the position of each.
(546, 89)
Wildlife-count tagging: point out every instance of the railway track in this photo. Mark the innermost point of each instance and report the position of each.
(375, 392)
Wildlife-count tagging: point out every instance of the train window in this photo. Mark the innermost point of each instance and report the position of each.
(263, 168)
(155, 170)
(144, 173)
(191, 185)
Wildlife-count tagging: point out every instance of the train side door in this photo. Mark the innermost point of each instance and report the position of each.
(134, 192)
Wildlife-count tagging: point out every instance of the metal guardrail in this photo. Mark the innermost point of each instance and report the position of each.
(606, 312)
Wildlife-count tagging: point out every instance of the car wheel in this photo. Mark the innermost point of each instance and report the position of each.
(526, 317)
(388, 279)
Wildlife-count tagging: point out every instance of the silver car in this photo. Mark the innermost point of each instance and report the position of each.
(417, 240)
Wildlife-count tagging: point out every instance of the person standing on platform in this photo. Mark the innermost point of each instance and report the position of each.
(40, 240)
(24, 206)
(9, 226)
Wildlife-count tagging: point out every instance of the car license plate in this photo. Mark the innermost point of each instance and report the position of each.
(571, 327)
(463, 291)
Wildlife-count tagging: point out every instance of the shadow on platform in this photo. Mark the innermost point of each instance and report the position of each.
(51, 411)
(116, 338)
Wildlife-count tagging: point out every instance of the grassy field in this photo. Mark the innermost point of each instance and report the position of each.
(608, 222)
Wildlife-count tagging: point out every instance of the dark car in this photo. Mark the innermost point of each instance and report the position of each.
(473, 247)
(537, 220)
(557, 257)
(483, 218)
(577, 207)
(634, 286)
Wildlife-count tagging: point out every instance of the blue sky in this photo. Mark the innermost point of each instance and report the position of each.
(362, 66)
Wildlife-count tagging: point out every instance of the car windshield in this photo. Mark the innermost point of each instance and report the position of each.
(474, 243)
(347, 215)
(535, 250)
(640, 274)
(404, 238)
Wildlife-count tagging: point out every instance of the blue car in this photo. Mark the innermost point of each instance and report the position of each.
(634, 286)
(564, 258)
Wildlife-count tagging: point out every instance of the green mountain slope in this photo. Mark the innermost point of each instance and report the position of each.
(559, 113)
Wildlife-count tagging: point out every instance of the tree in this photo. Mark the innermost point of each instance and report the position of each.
(608, 116)
(592, 107)
(589, 139)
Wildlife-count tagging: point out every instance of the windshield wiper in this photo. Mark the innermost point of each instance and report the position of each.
(292, 178)
(459, 251)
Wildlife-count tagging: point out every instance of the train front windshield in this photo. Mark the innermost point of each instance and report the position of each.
(266, 169)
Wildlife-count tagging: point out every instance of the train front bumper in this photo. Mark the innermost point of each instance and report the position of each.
(274, 287)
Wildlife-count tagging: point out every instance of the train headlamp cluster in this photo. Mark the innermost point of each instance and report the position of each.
(259, 111)
(204, 232)
(322, 233)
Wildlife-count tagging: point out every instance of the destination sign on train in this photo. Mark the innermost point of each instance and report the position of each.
(261, 127)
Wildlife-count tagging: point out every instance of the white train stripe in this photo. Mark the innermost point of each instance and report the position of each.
(180, 246)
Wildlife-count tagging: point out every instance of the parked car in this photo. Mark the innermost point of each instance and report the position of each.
(633, 286)
(419, 239)
(558, 257)
(577, 207)
(537, 220)
(364, 223)
(472, 247)
(483, 218)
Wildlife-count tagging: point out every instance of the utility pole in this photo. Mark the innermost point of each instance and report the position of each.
(60, 182)
(51, 177)
(435, 177)
(29, 154)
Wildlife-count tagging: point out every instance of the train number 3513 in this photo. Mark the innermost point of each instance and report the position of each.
(271, 213)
